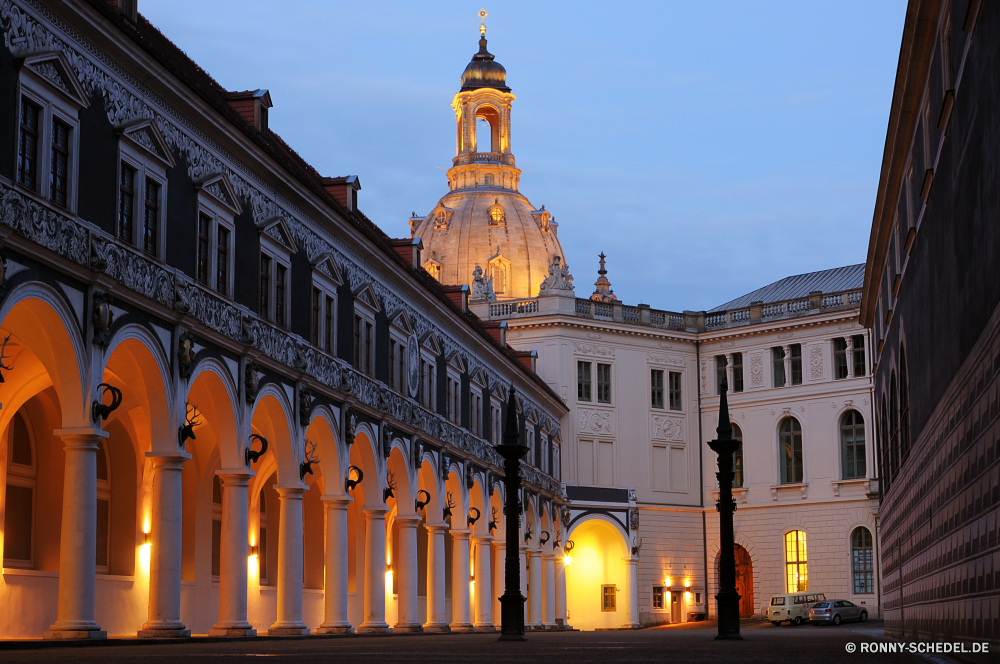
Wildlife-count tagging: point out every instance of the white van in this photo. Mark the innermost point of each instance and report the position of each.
(793, 607)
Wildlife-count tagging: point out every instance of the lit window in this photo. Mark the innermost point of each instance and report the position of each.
(609, 597)
(796, 576)
(657, 597)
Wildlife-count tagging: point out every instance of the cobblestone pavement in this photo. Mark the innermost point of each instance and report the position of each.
(683, 643)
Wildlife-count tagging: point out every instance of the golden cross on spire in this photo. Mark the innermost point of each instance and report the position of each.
(482, 25)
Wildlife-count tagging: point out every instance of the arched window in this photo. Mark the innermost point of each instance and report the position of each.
(790, 449)
(103, 509)
(904, 409)
(893, 426)
(488, 179)
(216, 527)
(262, 540)
(796, 574)
(498, 272)
(738, 457)
(862, 561)
(484, 134)
(883, 444)
(19, 512)
(852, 446)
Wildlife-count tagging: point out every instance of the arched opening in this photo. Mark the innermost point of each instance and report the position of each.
(367, 496)
(597, 577)
(399, 504)
(487, 129)
(744, 579)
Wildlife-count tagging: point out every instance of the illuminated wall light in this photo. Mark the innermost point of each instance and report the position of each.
(687, 583)
(667, 582)
(144, 557)
(472, 588)
(567, 561)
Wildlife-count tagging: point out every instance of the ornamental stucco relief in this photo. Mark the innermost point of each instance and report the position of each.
(816, 363)
(756, 370)
(594, 349)
(596, 421)
(667, 428)
(660, 358)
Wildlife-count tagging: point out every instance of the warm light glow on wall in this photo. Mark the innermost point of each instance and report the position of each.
(472, 589)
(388, 582)
(567, 561)
(253, 566)
(144, 557)
(145, 524)
(687, 583)
(667, 582)
(687, 597)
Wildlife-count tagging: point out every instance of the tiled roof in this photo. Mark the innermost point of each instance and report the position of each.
(839, 279)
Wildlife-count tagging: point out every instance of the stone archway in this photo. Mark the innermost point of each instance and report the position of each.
(744, 581)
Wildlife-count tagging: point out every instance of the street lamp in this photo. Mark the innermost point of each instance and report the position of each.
(728, 600)
(512, 602)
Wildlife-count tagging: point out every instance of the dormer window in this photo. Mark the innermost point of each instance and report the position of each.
(496, 212)
(276, 248)
(48, 109)
(217, 211)
(433, 268)
(143, 161)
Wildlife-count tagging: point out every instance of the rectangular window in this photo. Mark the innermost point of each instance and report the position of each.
(656, 388)
(126, 203)
(59, 168)
(27, 146)
(603, 383)
(657, 597)
(328, 325)
(280, 272)
(737, 385)
(796, 577)
(720, 373)
(583, 381)
(204, 242)
(860, 368)
(18, 523)
(367, 360)
(103, 534)
(839, 358)
(392, 364)
(778, 363)
(265, 286)
(357, 342)
(675, 390)
(217, 549)
(608, 597)
(151, 218)
(222, 260)
(262, 556)
(316, 316)
(796, 364)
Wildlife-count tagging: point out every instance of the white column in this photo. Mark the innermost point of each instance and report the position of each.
(289, 622)
(549, 594)
(523, 556)
(534, 589)
(234, 554)
(849, 341)
(374, 612)
(404, 567)
(335, 589)
(499, 576)
(631, 593)
(435, 579)
(484, 585)
(78, 537)
(460, 604)
(165, 533)
(787, 350)
(560, 571)
(729, 372)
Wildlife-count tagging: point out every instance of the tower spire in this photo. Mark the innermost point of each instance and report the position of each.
(482, 24)
(603, 292)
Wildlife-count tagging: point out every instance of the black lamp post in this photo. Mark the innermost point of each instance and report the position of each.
(512, 602)
(728, 600)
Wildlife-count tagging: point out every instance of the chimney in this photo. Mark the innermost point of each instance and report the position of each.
(497, 330)
(459, 295)
(252, 106)
(409, 249)
(527, 358)
(345, 189)
(127, 8)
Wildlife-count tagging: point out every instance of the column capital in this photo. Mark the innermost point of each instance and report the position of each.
(485, 539)
(499, 542)
(435, 527)
(460, 533)
(293, 492)
(408, 521)
(235, 476)
(173, 461)
(375, 514)
(336, 502)
(81, 437)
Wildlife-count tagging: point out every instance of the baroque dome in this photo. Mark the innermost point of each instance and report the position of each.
(484, 71)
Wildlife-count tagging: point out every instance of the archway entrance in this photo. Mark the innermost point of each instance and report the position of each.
(744, 580)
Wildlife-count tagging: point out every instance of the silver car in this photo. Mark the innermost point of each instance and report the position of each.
(835, 611)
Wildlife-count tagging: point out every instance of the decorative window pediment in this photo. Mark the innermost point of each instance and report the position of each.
(497, 215)
(402, 321)
(498, 272)
(433, 268)
(366, 294)
(221, 189)
(442, 217)
(456, 361)
(480, 378)
(53, 68)
(147, 137)
(430, 342)
(327, 266)
(276, 229)
(542, 217)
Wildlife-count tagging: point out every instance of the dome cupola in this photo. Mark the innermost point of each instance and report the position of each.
(484, 71)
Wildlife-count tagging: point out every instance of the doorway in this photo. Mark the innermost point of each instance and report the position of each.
(744, 580)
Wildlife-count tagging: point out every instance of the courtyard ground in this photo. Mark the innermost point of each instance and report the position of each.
(693, 642)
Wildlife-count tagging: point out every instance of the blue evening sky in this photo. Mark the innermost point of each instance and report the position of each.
(708, 148)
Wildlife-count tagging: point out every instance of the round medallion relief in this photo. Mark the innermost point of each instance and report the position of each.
(413, 365)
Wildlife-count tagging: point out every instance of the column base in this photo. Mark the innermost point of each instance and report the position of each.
(374, 628)
(66, 634)
(484, 627)
(437, 628)
(631, 626)
(336, 628)
(550, 626)
(533, 628)
(163, 633)
(460, 627)
(232, 631)
(288, 631)
(408, 628)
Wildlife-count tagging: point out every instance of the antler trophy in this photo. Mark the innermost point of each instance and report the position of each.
(446, 512)
(473, 519)
(101, 411)
(349, 484)
(3, 357)
(493, 519)
(249, 455)
(390, 486)
(311, 458)
(186, 431)
(421, 504)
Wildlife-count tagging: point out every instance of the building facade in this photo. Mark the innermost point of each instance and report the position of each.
(230, 403)
(931, 298)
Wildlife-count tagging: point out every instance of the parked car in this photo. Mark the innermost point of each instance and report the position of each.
(793, 607)
(833, 612)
